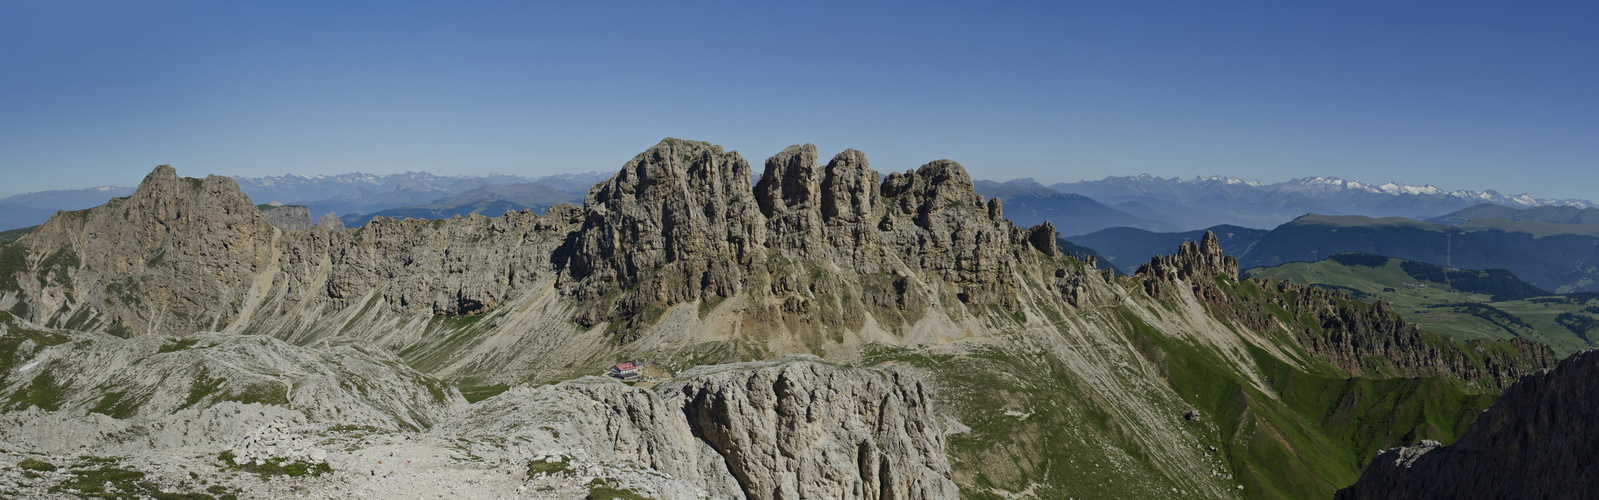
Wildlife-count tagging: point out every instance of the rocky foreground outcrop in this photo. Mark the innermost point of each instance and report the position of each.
(791, 428)
(97, 393)
(1539, 440)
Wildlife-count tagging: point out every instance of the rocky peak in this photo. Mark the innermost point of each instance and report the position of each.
(930, 188)
(171, 250)
(790, 182)
(849, 189)
(1203, 260)
(331, 222)
(678, 218)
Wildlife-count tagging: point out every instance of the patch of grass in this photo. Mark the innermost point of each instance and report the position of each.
(275, 467)
(35, 465)
(599, 489)
(1416, 300)
(15, 234)
(41, 392)
(12, 260)
(93, 482)
(178, 345)
(117, 405)
(547, 467)
(474, 394)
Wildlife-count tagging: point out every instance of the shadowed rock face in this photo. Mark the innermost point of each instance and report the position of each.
(1539, 440)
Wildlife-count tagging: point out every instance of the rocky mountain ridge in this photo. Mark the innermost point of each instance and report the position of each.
(679, 259)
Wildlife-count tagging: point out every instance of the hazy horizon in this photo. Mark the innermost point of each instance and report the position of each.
(1459, 96)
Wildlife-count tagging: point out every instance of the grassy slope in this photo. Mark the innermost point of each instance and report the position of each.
(1034, 426)
(1415, 303)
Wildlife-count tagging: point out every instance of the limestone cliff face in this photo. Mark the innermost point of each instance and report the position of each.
(287, 217)
(808, 430)
(1353, 335)
(793, 428)
(679, 221)
(1537, 441)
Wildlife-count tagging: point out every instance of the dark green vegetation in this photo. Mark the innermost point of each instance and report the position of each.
(269, 206)
(1462, 304)
(1128, 247)
(601, 489)
(547, 467)
(94, 477)
(474, 394)
(1321, 428)
(35, 465)
(1084, 253)
(1499, 284)
(275, 467)
(12, 235)
(1552, 256)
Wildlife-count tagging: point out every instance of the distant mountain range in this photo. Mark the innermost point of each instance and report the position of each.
(1557, 257)
(1541, 245)
(1027, 203)
(1207, 201)
(491, 201)
(413, 194)
(1146, 202)
(32, 209)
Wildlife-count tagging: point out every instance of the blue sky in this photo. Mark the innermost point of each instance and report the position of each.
(1457, 94)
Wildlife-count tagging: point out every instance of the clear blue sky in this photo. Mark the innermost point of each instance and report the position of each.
(1471, 95)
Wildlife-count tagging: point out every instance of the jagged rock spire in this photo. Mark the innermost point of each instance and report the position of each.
(849, 189)
(1202, 260)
